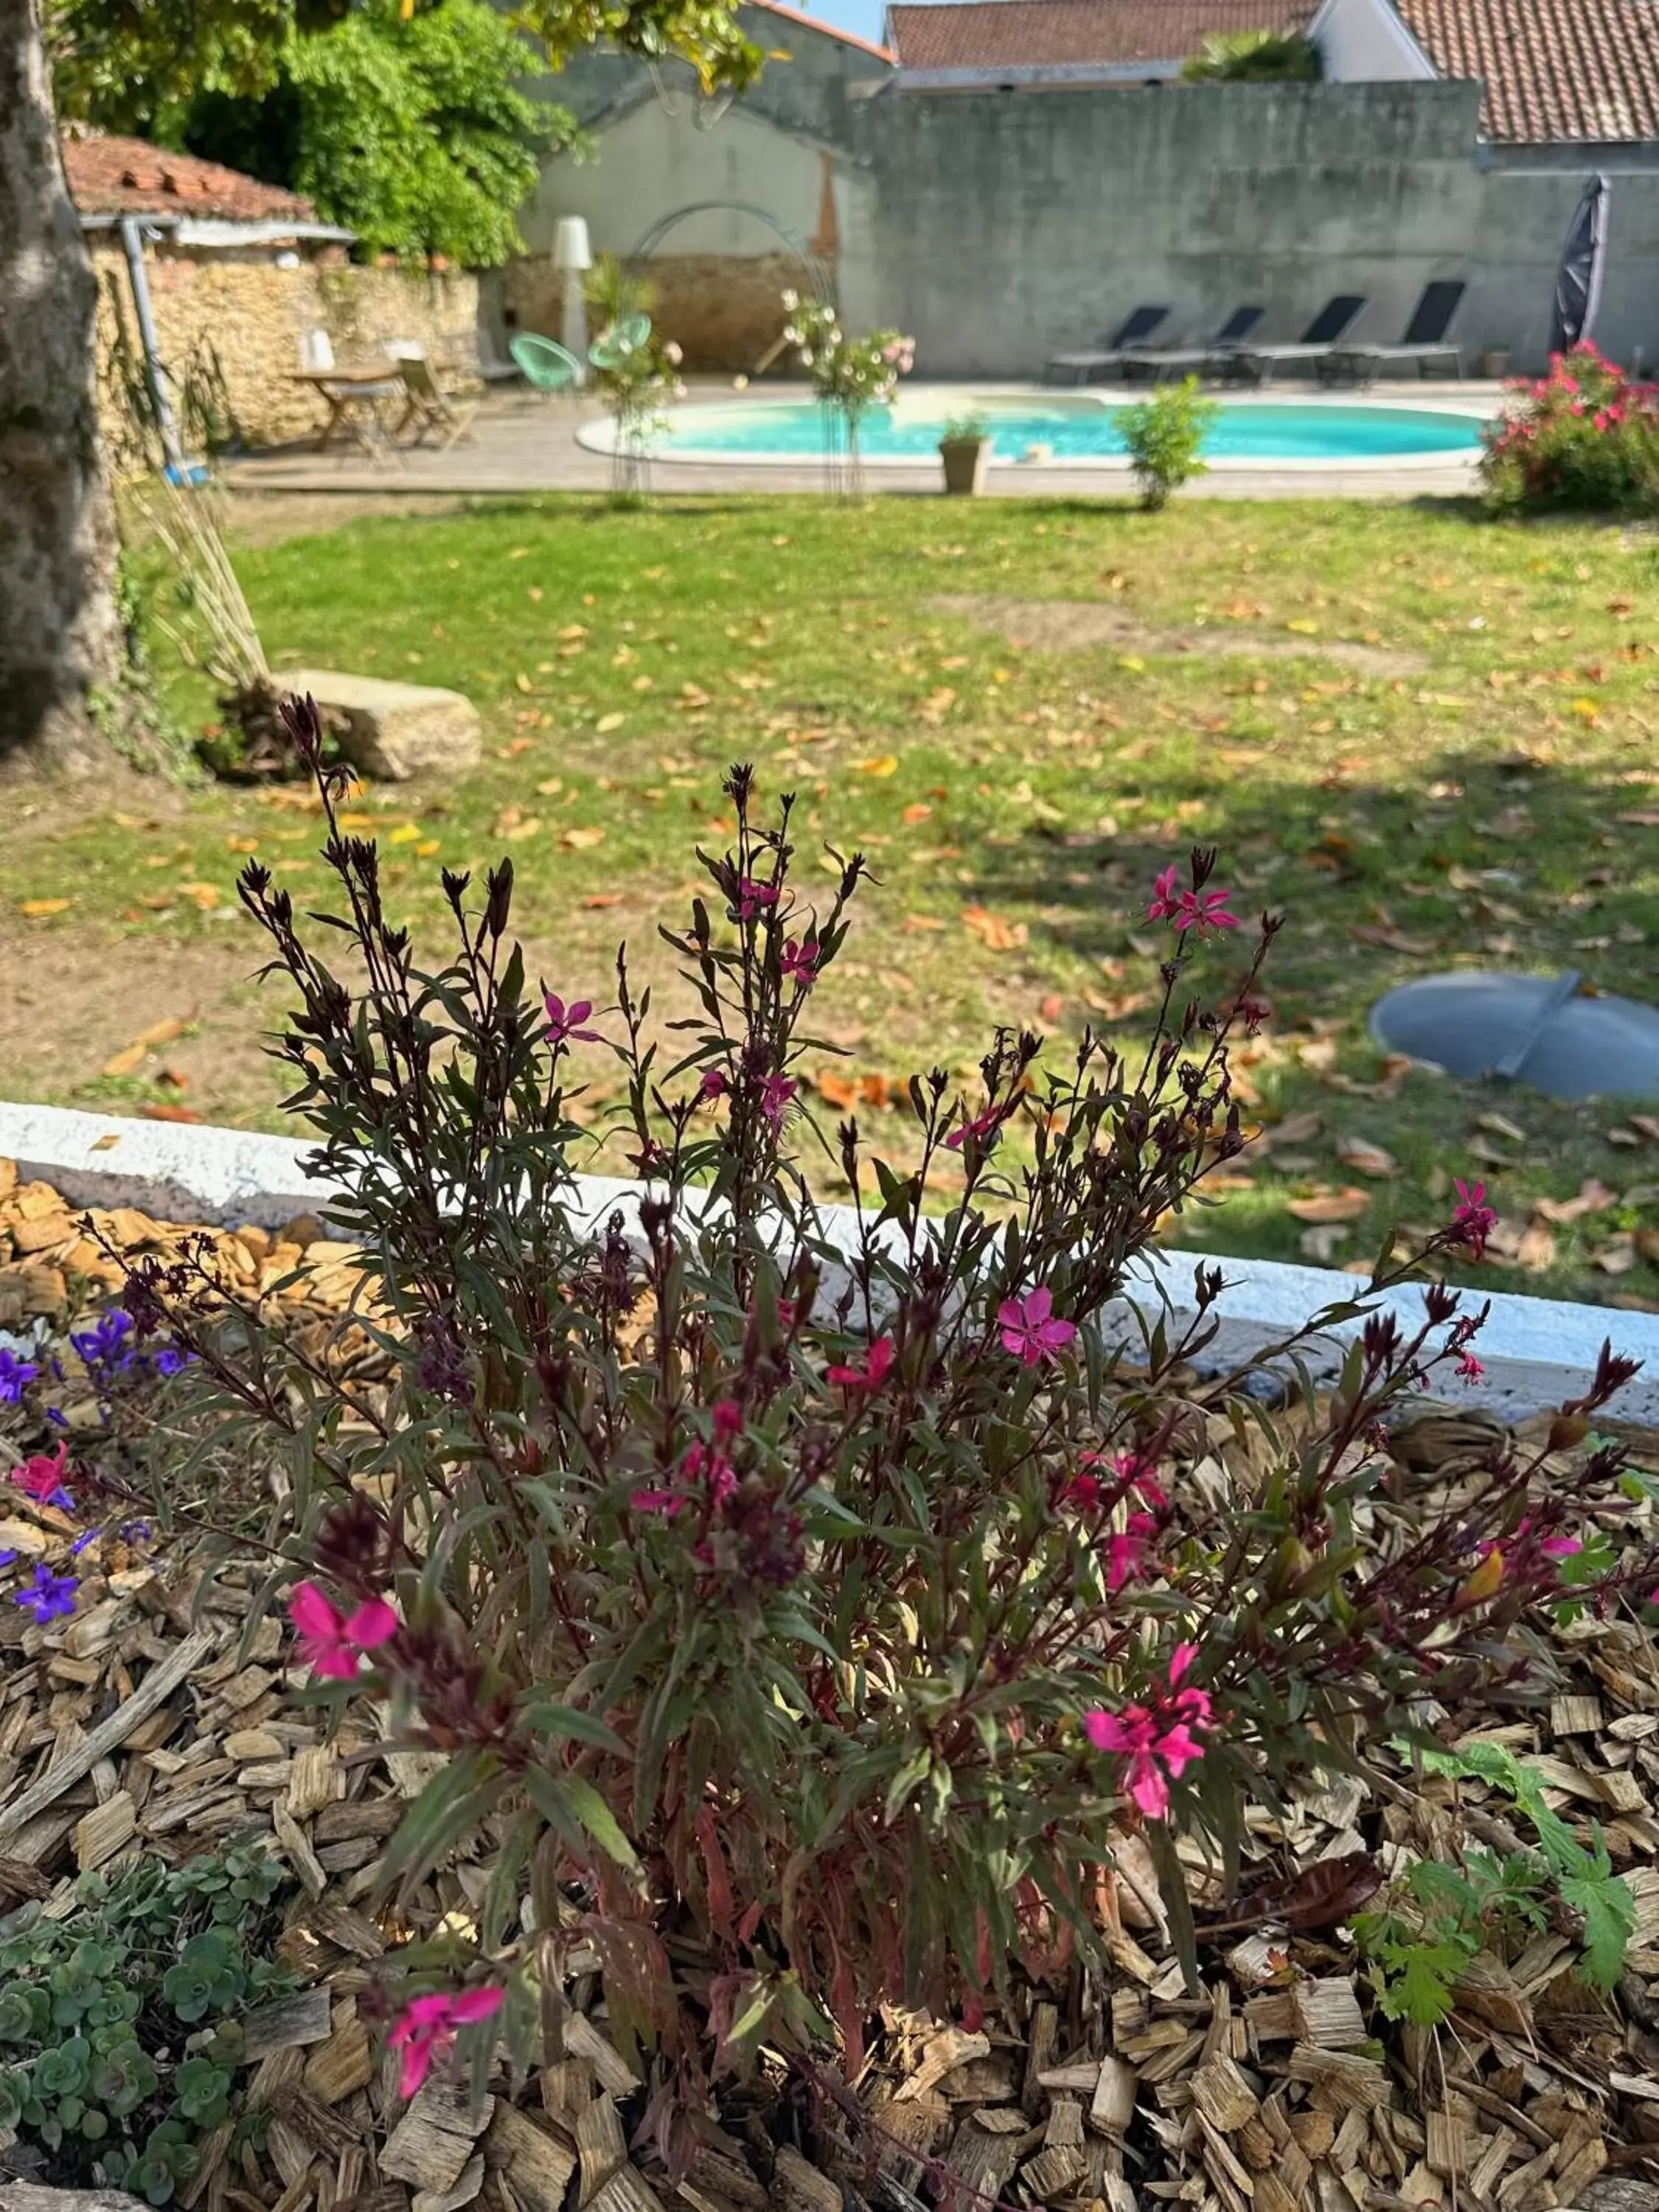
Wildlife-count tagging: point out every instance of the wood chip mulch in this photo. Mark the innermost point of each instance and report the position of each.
(137, 1726)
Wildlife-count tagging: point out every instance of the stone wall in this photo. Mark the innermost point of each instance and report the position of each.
(246, 313)
(725, 311)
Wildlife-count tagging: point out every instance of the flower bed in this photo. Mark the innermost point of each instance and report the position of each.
(700, 1594)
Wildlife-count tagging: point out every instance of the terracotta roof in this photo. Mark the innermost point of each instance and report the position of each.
(1552, 69)
(1016, 33)
(125, 176)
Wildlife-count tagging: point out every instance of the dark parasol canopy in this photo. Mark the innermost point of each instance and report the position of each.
(1578, 280)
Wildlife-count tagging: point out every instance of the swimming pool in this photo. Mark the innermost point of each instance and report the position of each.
(1082, 430)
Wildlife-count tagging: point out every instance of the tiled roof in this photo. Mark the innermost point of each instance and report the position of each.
(125, 176)
(1015, 33)
(1552, 69)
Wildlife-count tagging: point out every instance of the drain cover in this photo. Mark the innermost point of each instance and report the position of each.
(1546, 1030)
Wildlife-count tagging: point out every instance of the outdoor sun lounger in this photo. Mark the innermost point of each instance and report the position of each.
(1425, 341)
(1227, 340)
(1315, 344)
(1107, 352)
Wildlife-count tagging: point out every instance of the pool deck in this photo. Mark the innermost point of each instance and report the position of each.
(520, 442)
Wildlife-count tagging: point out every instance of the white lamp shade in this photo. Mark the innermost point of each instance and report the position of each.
(570, 247)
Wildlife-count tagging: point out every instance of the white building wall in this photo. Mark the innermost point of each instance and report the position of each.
(1364, 42)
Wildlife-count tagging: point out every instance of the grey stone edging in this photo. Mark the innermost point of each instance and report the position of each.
(1535, 1350)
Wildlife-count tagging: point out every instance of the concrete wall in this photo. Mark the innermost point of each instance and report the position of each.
(1001, 227)
(252, 314)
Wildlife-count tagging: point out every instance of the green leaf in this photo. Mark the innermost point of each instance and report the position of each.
(1609, 1911)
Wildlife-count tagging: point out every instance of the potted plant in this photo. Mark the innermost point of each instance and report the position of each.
(965, 450)
(1495, 362)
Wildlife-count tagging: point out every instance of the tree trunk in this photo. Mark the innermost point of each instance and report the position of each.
(61, 641)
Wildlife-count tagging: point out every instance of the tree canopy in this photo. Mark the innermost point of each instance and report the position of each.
(404, 120)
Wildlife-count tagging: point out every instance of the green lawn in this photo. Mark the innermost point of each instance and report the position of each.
(1429, 737)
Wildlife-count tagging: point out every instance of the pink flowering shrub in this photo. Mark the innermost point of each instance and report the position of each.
(1584, 436)
(804, 1607)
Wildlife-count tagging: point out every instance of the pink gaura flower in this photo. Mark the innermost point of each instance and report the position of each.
(334, 1643)
(878, 1364)
(1166, 895)
(1469, 1368)
(1030, 1329)
(1130, 1472)
(981, 1129)
(752, 896)
(775, 1093)
(712, 1085)
(1126, 1551)
(564, 1023)
(426, 2027)
(41, 1475)
(1473, 1219)
(800, 960)
(1202, 911)
(1158, 1740)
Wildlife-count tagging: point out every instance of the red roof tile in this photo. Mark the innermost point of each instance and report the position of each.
(1552, 69)
(127, 176)
(1025, 33)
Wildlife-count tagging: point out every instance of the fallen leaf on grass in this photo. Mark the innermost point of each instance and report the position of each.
(884, 764)
(1501, 1125)
(1391, 940)
(168, 1114)
(204, 895)
(914, 924)
(242, 844)
(1051, 1008)
(1346, 1205)
(1305, 625)
(1294, 1129)
(427, 848)
(606, 723)
(577, 841)
(1619, 1257)
(1366, 1160)
(603, 898)
(937, 705)
(1594, 1197)
(845, 1091)
(995, 933)
(406, 832)
(35, 909)
(1640, 817)
(1322, 1243)
(917, 812)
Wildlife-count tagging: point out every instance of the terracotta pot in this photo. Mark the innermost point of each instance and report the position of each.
(966, 460)
(1496, 362)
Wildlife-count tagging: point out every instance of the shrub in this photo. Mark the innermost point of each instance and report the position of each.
(117, 2049)
(754, 1568)
(1583, 436)
(1254, 57)
(1164, 435)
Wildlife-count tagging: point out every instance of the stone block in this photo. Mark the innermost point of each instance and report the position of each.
(391, 732)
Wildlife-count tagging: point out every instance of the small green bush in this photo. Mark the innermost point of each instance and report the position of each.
(1584, 436)
(962, 429)
(117, 2043)
(1422, 1940)
(1164, 434)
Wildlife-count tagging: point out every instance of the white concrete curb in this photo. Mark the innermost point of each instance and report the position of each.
(1535, 1350)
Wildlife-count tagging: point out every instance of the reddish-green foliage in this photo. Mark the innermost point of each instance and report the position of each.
(802, 1604)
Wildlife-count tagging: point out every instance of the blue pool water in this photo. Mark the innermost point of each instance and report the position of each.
(1259, 430)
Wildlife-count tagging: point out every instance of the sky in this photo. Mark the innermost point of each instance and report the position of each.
(863, 18)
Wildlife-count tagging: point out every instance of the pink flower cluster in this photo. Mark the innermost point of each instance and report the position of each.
(1031, 1329)
(1157, 1742)
(1187, 908)
(426, 2027)
(334, 1643)
(707, 1468)
(877, 1362)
